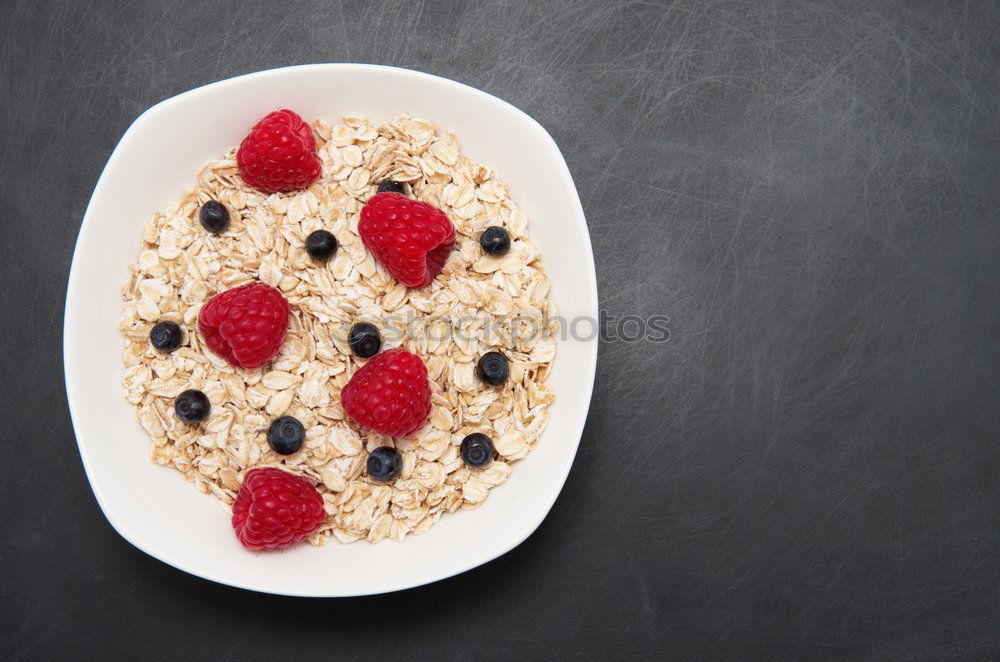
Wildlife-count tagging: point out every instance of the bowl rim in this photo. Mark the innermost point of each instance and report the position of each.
(585, 373)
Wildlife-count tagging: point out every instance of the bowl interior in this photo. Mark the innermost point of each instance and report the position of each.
(156, 160)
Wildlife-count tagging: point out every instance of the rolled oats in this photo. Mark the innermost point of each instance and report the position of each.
(468, 310)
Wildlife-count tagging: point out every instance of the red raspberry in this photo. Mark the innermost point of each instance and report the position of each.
(275, 509)
(389, 394)
(279, 154)
(411, 239)
(245, 325)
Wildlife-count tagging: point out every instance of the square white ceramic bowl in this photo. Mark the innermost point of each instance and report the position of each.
(155, 508)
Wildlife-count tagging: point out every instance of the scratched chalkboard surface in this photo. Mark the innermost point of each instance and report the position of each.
(807, 467)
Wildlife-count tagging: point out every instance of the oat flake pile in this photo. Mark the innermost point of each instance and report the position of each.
(463, 314)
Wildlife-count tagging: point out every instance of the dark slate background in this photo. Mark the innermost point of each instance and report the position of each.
(808, 469)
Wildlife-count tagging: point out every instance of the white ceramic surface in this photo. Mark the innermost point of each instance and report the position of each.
(154, 508)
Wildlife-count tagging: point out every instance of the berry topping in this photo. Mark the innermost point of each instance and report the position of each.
(245, 325)
(384, 464)
(390, 394)
(321, 245)
(495, 240)
(477, 450)
(214, 216)
(410, 239)
(364, 340)
(389, 186)
(275, 509)
(279, 154)
(166, 336)
(492, 368)
(192, 406)
(285, 435)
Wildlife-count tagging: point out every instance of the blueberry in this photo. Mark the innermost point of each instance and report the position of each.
(477, 450)
(384, 464)
(285, 435)
(495, 240)
(166, 336)
(321, 245)
(214, 216)
(192, 406)
(492, 368)
(364, 340)
(389, 186)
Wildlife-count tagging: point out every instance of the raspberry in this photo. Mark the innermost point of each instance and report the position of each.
(279, 154)
(245, 325)
(389, 394)
(275, 509)
(411, 239)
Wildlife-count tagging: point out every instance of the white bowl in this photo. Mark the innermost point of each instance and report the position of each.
(156, 160)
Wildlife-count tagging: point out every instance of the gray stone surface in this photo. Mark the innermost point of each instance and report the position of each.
(808, 469)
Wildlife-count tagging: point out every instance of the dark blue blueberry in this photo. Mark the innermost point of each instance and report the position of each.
(477, 450)
(214, 216)
(192, 406)
(321, 245)
(364, 340)
(495, 240)
(166, 336)
(492, 368)
(285, 436)
(389, 186)
(384, 464)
